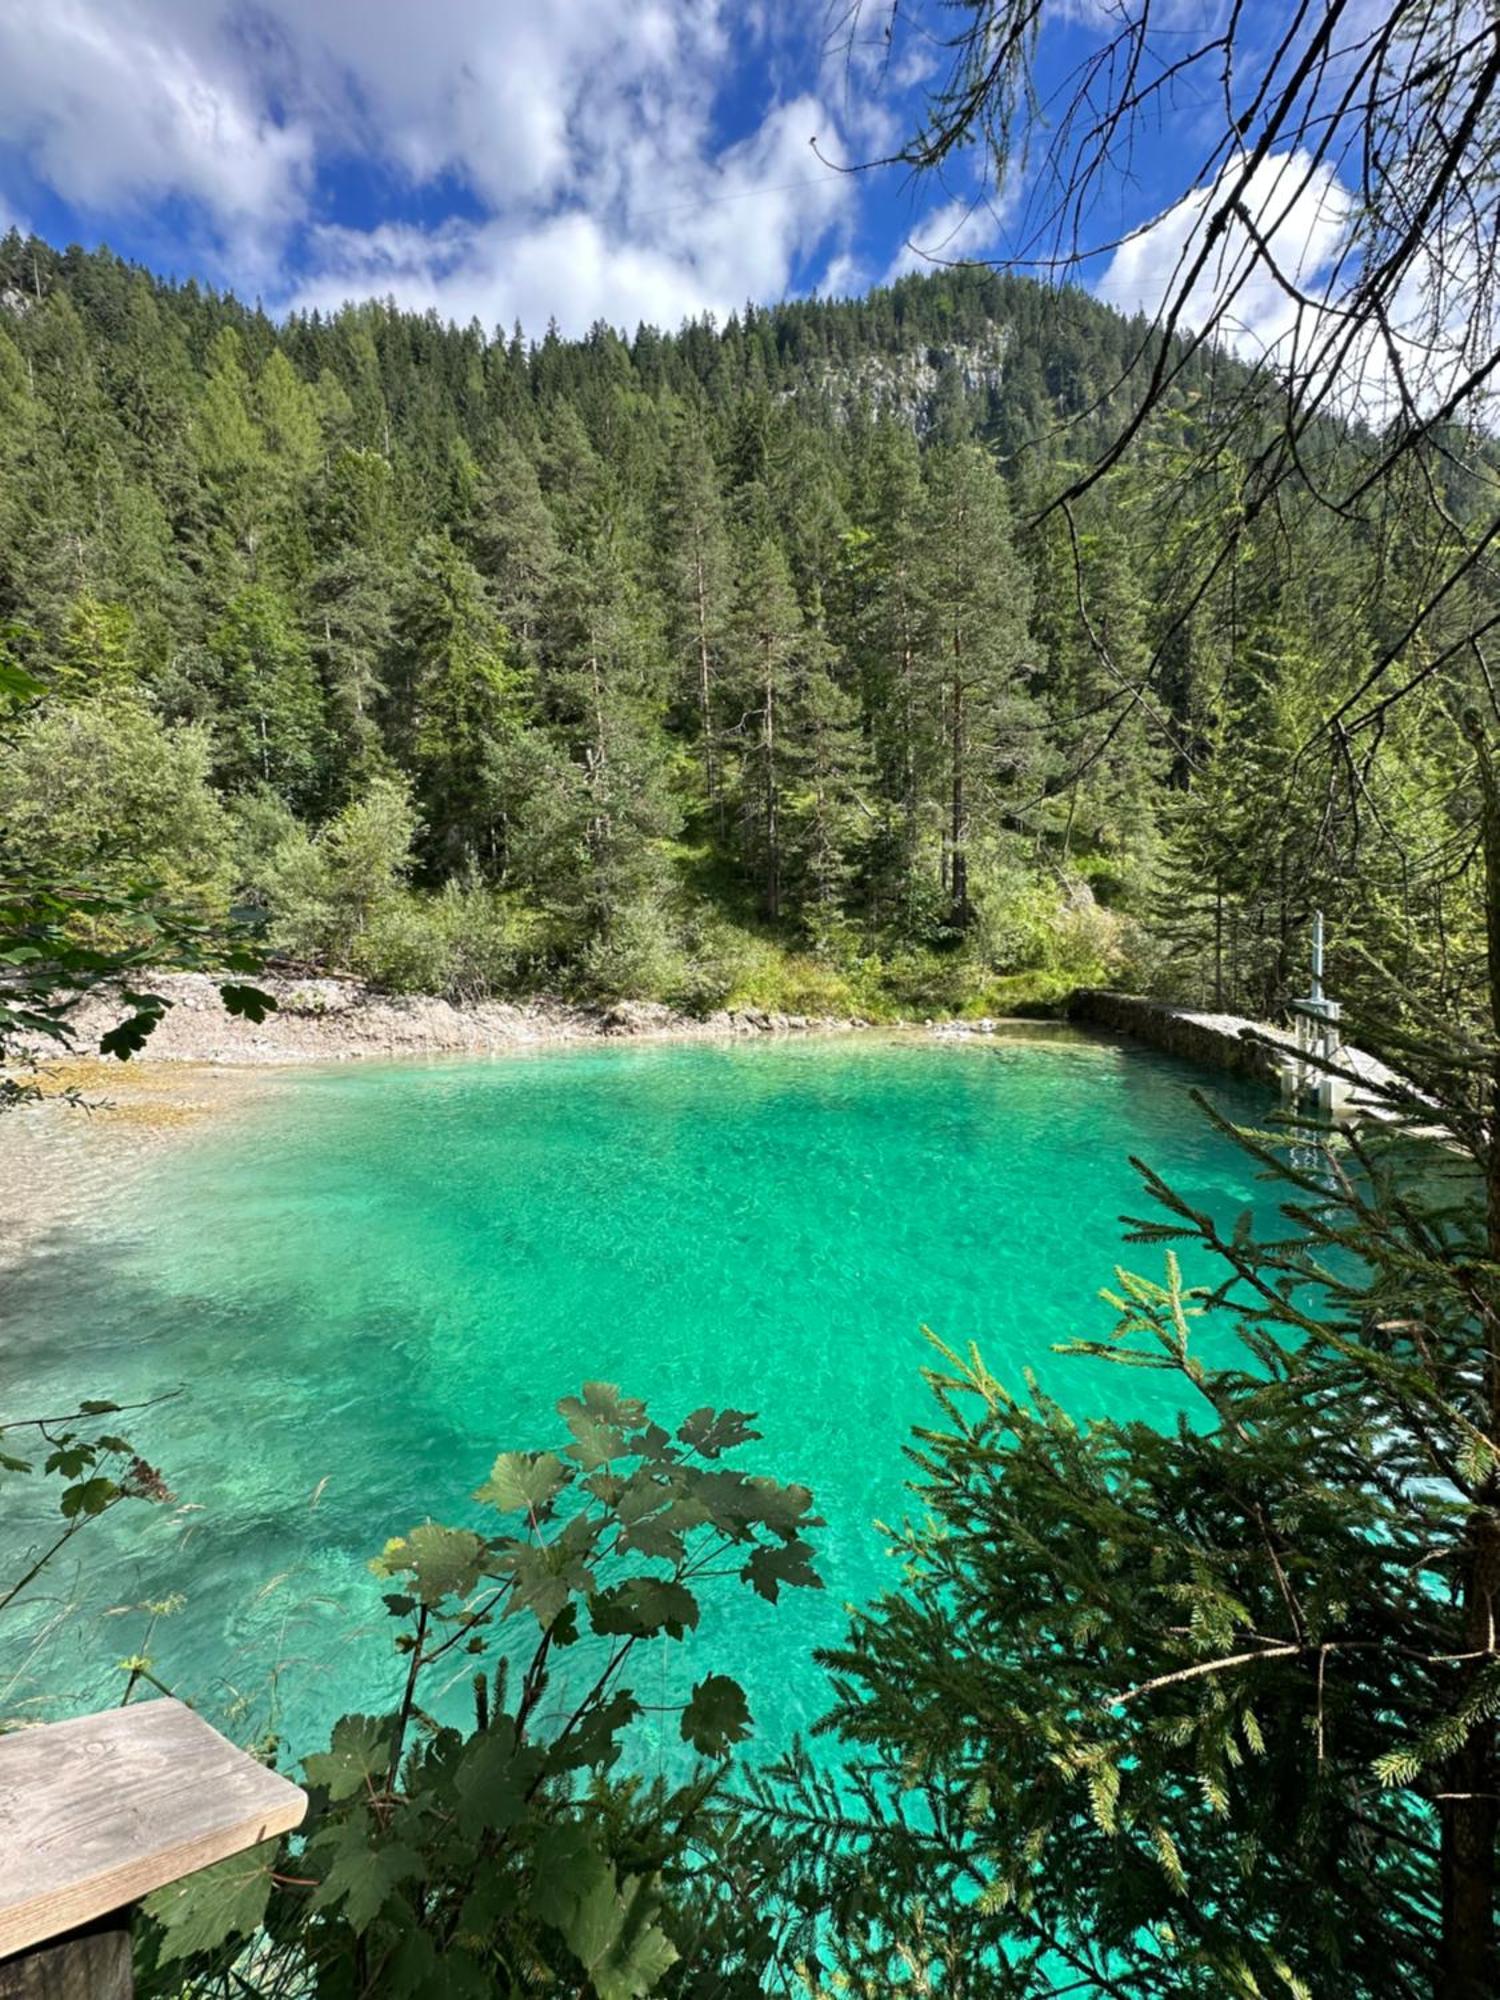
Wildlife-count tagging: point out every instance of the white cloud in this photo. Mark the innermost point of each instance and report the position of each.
(1302, 214)
(120, 106)
(948, 235)
(582, 132)
(732, 232)
(1274, 292)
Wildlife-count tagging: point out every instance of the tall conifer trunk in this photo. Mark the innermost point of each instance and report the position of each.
(773, 797)
(958, 834)
(705, 689)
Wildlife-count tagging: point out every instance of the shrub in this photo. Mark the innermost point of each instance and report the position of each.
(511, 1854)
(329, 889)
(465, 943)
(108, 790)
(639, 957)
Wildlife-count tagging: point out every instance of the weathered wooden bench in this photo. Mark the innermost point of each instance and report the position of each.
(94, 1815)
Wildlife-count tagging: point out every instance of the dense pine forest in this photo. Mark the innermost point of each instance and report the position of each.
(740, 664)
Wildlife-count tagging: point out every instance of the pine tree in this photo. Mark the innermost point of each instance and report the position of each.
(979, 720)
(880, 585)
(269, 723)
(459, 694)
(602, 681)
(513, 539)
(768, 634)
(828, 814)
(1209, 1709)
(699, 585)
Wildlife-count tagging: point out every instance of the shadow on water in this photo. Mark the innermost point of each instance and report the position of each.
(264, 1570)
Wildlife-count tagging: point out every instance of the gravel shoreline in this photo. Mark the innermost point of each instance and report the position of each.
(340, 1020)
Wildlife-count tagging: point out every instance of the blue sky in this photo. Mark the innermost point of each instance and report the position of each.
(531, 159)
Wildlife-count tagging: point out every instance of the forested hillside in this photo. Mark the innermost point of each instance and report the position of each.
(730, 663)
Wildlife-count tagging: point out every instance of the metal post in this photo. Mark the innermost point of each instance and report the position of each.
(1317, 955)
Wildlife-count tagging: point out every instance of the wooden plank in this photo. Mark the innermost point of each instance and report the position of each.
(96, 1813)
(89, 1965)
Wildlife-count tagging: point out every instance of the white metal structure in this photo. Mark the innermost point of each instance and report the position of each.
(1319, 1041)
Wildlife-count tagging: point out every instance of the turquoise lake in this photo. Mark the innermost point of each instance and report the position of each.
(365, 1284)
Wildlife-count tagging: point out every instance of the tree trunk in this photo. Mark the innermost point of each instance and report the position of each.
(958, 831)
(773, 801)
(705, 693)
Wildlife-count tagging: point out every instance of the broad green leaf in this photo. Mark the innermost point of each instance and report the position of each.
(358, 1756)
(717, 1715)
(603, 1402)
(128, 1037)
(768, 1569)
(247, 1003)
(546, 1577)
(595, 1742)
(606, 1925)
(493, 1779)
(70, 1460)
(524, 1482)
(363, 1876)
(16, 684)
(595, 1443)
(642, 1606)
(442, 1562)
(227, 1900)
(92, 1497)
(711, 1433)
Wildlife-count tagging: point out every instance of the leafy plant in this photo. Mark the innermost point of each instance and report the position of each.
(96, 1470)
(519, 1851)
(1205, 1710)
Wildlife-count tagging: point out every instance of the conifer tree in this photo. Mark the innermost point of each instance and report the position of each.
(826, 754)
(270, 718)
(979, 718)
(459, 695)
(768, 636)
(881, 581)
(700, 582)
(1210, 1709)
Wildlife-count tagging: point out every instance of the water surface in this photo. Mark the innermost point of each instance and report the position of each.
(370, 1281)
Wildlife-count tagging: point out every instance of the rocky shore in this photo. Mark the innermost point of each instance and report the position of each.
(339, 1020)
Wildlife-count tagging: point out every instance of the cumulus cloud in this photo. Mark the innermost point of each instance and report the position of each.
(948, 235)
(570, 150)
(127, 104)
(1302, 215)
(1273, 293)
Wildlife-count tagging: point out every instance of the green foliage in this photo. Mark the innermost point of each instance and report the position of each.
(1207, 1709)
(737, 663)
(64, 933)
(104, 789)
(328, 889)
(226, 1900)
(519, 1850)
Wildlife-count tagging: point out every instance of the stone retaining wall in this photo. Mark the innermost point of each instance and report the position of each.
(1216, 1041)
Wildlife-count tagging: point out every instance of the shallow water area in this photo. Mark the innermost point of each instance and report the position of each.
(367, 1281)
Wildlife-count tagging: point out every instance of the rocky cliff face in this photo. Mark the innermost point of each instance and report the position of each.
(913, 386)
